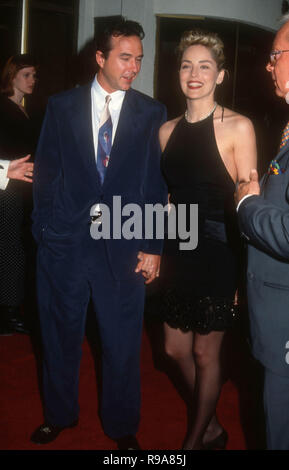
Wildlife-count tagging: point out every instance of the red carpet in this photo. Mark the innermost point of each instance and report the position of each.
(163, 423)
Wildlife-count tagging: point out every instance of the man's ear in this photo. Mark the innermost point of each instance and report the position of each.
(220, 77)
(99, 57)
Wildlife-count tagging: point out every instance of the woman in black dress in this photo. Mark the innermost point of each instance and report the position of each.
(18, 138)
(206, 152)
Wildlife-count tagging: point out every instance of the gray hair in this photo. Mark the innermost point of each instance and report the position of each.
(284, 19)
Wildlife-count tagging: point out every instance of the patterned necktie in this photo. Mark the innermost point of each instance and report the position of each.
(285, 136)
(104, 140)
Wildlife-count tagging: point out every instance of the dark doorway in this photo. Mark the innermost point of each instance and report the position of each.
(10, 29)
(247, 88)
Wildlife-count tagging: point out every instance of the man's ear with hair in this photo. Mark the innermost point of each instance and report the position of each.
(100, 59)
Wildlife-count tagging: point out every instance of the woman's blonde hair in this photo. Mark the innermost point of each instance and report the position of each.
(203, 38)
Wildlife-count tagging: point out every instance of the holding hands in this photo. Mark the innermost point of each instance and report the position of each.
(149, 265)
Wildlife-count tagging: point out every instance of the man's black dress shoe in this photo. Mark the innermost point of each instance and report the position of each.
(17, 325)
(128, 443)
(48, 432)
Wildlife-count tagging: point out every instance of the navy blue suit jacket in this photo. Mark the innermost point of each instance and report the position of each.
(66, 182)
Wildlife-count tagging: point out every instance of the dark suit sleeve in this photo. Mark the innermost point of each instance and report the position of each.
(265, 226)
(156, 191)
(47, 170)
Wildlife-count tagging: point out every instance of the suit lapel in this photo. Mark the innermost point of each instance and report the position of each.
(128, 124)
(279, 156)
(283, 151)
(81, 120)
(263, 181)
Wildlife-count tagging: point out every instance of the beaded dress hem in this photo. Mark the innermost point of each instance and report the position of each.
(200, 314)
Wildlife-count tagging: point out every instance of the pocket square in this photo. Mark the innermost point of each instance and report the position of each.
(275, 168)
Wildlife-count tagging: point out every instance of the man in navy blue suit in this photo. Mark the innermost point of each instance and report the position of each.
(80, 168)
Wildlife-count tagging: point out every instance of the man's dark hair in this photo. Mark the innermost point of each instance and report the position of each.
(122, 27)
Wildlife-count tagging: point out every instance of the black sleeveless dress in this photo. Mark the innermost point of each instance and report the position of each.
(197, 287)
(18, 137)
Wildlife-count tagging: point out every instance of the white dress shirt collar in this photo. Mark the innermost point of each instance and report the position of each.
(98, 95)
(116, 96)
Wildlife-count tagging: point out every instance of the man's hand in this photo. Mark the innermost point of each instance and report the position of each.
(149, 265)
(21, 169)
(248, 187)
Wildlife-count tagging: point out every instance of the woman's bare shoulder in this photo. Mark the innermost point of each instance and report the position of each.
(236, 121)
(166, 130)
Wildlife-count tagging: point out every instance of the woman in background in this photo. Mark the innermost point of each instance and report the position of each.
(206, 152)
(18, 137)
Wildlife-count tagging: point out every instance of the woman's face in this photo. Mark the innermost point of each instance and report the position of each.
(199, 74)
(24, 81)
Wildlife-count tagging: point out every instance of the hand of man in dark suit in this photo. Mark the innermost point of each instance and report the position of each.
(247, 188)
(149, 265)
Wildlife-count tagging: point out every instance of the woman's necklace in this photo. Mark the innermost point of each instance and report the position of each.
(205, 117)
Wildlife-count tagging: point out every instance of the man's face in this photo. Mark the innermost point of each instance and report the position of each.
(279, 64)
(122, 65)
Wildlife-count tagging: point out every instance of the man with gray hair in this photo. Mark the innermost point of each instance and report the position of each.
(263, 211)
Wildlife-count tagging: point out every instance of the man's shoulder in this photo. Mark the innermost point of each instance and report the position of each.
(70, 95)
(145, 99)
